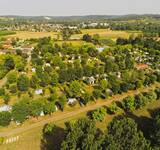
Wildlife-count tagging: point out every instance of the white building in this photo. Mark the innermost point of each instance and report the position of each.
(48, 64)
(41, 113)
(39, 91)
(100, 49)
(34, 70)
(5, 108)
(71, 101)
(91, 80)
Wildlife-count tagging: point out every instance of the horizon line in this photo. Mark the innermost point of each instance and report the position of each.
(83, 15)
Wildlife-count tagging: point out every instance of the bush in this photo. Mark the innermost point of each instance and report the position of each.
(150, 96)
(128, 103)
(36, 107)
(20, 111)
(62, 101)
(1, 140)
(12, 77)
(23, 83)
(158, 92)
(13, 88)
(140, 101)
(97, 93)
(86, 97)
(9, 63)
(6, 98)
(87, 38)
(20, 66)
(99, 114)
(2, 91)
(3, 72)
(49, 107)
(113, 108)
(49, 129)
(5, 118)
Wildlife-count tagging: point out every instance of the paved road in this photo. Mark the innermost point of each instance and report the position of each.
(67, 115)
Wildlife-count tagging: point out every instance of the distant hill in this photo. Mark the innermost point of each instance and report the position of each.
(80, 18)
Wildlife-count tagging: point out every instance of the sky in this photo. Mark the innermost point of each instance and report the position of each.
(78, 7)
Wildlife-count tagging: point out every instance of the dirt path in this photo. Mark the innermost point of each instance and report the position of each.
(3, 82)
(65, 115)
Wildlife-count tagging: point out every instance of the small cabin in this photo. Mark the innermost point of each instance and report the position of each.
(91, 80)
(39, 91)
(34, 70)
(5, 108)
(71, 101)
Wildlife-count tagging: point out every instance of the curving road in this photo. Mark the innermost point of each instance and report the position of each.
(67, 115)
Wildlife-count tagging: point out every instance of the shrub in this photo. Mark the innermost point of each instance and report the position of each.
(13, 88)
(2, 91)
(20, 111)
(99, 114)
(158, 92)
(140, 101)
(1, 140)
(6, 98)
(128, 103)
(49, 129)
(113, 108)
(49, 107)
(5, 118)
(23, 83)
(62, 101)
(97, 93)
(12, 77)
(150, 96)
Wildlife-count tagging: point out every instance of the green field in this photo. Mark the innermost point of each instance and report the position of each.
(6, 33)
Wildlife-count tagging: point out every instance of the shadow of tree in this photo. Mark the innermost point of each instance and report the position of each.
(153, 112)
(145, 124)
(119, 104)
(53, 141)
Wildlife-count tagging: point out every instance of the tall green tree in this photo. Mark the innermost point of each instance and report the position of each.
(5, 118)
(123, 134)
(99, 114)
(82, 135)
(128, 103)
(23, 83)
(20, 111)
(66, 33)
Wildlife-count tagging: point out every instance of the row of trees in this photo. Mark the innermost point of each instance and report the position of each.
(138, 101)
(121, 133)
(11, 62)
(129, 104)
(150, 29)
(26, 108)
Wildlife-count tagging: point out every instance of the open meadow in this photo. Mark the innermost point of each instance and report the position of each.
(104, 33)
(28, 35)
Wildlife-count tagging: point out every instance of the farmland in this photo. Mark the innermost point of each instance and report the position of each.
(102, 32)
